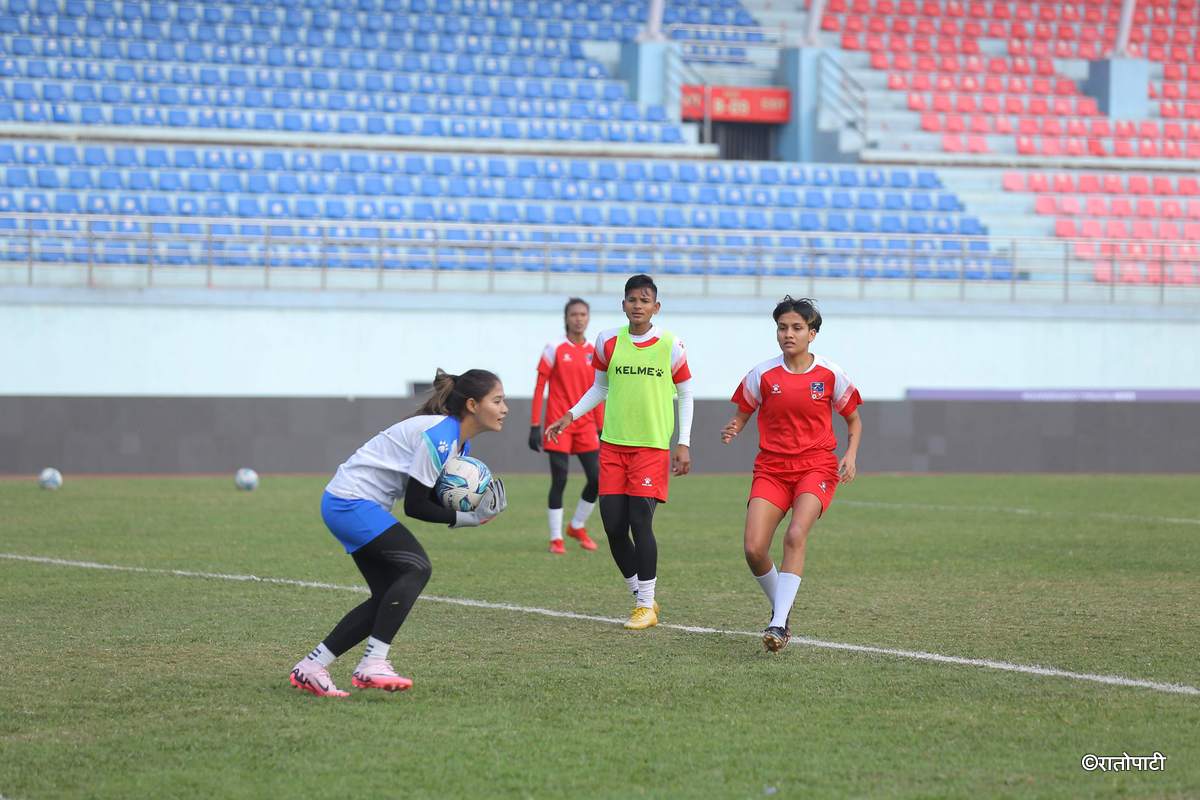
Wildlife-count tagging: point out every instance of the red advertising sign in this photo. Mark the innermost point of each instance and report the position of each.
(738, 104)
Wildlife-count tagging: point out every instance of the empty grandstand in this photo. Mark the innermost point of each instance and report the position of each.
(201, 143)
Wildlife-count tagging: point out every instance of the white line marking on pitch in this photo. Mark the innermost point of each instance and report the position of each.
(1027, 512)
(917, 655)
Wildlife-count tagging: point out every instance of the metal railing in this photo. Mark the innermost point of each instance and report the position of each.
(839, 93)
(138, 252)
(729, 45)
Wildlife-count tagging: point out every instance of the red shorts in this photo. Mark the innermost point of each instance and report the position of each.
(780, 481)
(635, 471)
(581, 438)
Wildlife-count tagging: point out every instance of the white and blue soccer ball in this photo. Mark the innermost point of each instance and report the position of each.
(246, 479)
(462, 483)
(50, 478)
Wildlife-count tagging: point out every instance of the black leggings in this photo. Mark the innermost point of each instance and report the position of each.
(396, 569)
(623, 515)
(560, 463)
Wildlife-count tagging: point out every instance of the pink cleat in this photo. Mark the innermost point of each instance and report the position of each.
(309, 676)
(580, 535)
(377, 673)
(556, 547)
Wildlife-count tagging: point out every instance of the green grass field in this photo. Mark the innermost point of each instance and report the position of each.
(122, 684)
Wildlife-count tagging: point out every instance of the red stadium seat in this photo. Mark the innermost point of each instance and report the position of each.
(1102, 272)
(1063, 182)
(1146, 207)
(1045, 204)
(1070, 205)
(1171, 209)
(1089, 183)
(1013, 182)
(1113, 184)
(1139, 184)
(1130, 272)
(1097, 206)
(953, 144)
(1143, 229)
(1188, 187)
(1038, 182)
(1121, 207)
(1168, 231)
(931, 122)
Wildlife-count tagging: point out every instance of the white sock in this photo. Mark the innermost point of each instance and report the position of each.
(785, 595)
(645, 593)
(555, 517)
(582, 512)
(322, 655)
(768, 581)
(632, 583)
(376, 648)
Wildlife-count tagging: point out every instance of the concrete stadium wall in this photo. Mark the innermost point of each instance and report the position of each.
(346, 344)
(288, 435)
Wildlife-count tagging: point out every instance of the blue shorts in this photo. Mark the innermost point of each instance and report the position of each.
(354, 522)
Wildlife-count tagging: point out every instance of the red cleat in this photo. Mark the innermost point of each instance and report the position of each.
(580, 535)
(377, 673)
(556, 547)
(309, 676)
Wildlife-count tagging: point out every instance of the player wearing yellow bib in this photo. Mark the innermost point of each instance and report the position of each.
(640, 369)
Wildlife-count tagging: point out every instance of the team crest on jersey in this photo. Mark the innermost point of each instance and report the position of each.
(566, 356)
(647, 482)
(589, 358)
(443, 446)
(775, 389)
(818, 389)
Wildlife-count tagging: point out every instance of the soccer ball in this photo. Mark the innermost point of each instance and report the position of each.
(462, 483)
(50, 478)
(246, 479)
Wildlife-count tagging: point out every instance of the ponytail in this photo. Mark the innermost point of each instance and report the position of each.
(451, 392)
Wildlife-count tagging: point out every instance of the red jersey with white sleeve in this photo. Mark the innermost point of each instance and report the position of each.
(795, 409)
(568, 370)
(606, 344)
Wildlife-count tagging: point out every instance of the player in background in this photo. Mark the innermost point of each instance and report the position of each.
(566, 366)
(797, 469)
(639, 368)
(403, 461)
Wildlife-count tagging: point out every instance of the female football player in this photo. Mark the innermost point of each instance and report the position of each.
(403, 461)
(640, 369)
(796, 469)
(566, 366)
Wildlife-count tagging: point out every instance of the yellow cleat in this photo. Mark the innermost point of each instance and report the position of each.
(642, 618)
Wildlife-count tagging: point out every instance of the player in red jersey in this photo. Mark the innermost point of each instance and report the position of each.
(796, 469)
(566, 366)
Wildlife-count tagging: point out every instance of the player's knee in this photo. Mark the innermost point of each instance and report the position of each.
(423, 572)
(758, 557)
(796, 535)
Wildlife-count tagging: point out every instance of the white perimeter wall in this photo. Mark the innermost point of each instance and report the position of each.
(74, 348)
